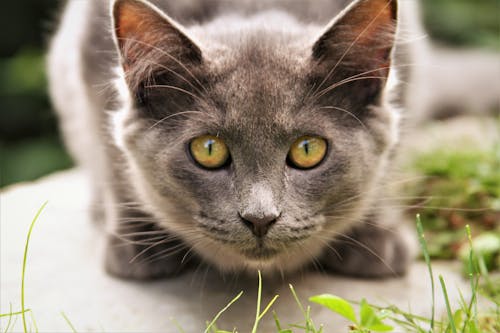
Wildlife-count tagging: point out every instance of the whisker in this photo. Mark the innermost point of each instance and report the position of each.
(313, 259)
(345, 81)
(146, 249)
(164, 255)
(367, 248)
(376, 188)
(145, 220)
(145, 233)
(360, 76)
(173, 115)
(347, 112)
(146, 242)
(380, 226)
(175, 248)
(186, 255)
(179, 76)
(174, 88)
(163, 52)
(327, 244)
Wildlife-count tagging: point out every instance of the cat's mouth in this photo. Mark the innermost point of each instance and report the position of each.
(260, 252)
(257, 248)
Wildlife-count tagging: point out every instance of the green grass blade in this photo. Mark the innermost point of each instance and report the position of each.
(258, 314)
(10, 318)
(309, 327)
(369, 319)
(13, 313)
(259, 299)
(448, 307)
(212, 323)
(294, 293)
(268, 306)
(425, 251)
(69, 322)
(177, 325)
(15, 322)
(34, 322)
(398, 311)
(277, 321)
(25, 256)
(474, 279)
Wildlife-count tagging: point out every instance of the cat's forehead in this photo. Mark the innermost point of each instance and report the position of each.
(258, 74)
(271, 41)
(273, 22)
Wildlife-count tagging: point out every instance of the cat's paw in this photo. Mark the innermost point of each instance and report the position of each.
(370, 251)
(137, 262)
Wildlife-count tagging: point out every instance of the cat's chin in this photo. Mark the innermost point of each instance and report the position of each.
(261, 253)
(267, 259)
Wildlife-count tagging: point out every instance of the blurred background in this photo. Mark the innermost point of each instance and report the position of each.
(30, 145)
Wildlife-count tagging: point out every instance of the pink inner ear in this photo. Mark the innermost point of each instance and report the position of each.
(370, 27)
(136, 29)
(128, 20)
(371, 18)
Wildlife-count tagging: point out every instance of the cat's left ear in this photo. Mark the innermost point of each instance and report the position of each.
(357, 46)
(146, 38)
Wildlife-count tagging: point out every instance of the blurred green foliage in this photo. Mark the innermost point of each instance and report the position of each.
(460, 187)
(33, 158)
(29, 142)
(464, 22)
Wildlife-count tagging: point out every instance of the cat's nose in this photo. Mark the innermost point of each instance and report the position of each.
(259, 224)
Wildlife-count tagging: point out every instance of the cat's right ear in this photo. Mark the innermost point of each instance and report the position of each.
(356, 49)
(146, 38)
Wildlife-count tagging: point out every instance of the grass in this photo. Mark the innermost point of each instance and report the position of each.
(463, 317)
(460, 188)
(211, 327)
(363, 316)
(70, 324)
(23, 311)
(25, 257)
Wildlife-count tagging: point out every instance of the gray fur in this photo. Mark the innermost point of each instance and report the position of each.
(252, 89)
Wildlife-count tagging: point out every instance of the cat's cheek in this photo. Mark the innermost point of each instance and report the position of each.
(211, 189)
(313, 185)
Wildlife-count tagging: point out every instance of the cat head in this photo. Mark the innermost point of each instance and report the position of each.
(256, 139)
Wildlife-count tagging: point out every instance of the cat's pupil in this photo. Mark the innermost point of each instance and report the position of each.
(209, 146)
(305, 145)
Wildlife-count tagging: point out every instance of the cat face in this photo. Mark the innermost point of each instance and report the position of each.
(260, 142)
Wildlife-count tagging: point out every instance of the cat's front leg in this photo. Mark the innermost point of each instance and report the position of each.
(371, 250)
(138, 249)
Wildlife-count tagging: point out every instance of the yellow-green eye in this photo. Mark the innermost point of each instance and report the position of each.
(307, 152)
(209, 151)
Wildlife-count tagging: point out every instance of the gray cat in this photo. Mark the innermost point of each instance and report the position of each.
(247, 135)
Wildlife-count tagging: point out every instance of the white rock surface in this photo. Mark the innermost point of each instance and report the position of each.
(64, 273)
